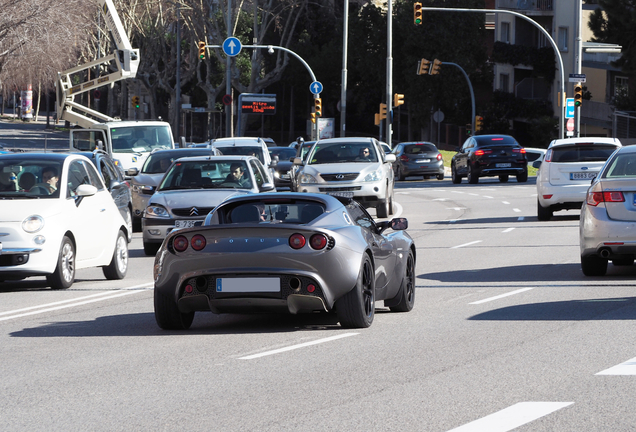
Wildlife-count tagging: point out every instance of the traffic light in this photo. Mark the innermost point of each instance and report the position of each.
(578, 94)
(469, 130)
(135, 101)
(382, 111)
(313, 117)
(377, 119)
(423, 67)
(435, 67)
(201, 50)
(398, 99)
(479, 123)
(318, 107)
(417, 13)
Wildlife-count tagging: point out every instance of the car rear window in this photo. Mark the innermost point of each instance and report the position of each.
(419, 148)
(244, 151)
(587, 152)
(623, 165)
(495, 140)
(290, 211)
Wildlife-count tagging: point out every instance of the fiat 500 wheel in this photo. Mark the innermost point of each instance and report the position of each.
(64, 274)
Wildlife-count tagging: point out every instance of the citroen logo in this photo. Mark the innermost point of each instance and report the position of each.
(194, 211)
(340, 176)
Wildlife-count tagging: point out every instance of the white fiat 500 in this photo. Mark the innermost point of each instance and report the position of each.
(56, 216)
(566, 171)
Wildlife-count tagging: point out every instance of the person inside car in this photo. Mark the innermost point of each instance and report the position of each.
(50, 178)
(236, 175)
(8, 181)
(364, 156)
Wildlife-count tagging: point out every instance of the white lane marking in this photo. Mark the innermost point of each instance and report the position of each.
(439, 199)
(293, 347)
(73, 302)
(486, 196)
(403, 193)
(512, 417)
(521, 218)
(626, 368)
(458, 192)
(516, 210)
(500, 296)
(473, 194)
(455, 208)
(467, 244)
(507, 230)
(453, 220)
(505, 202)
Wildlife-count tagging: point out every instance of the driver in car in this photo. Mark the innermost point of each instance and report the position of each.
(236, 175)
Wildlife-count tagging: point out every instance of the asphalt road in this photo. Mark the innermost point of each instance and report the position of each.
(506, 334)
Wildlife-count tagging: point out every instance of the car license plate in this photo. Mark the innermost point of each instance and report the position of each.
(503, 165)
(186, 223)
(239, 285)
(582, 175)
(422, 161)
(341, 194)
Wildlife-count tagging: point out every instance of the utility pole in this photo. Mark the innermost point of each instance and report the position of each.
(343, 87)
(578, 51)
(228, 76)
(389, 71)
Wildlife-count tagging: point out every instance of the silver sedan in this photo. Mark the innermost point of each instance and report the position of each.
(608, 217)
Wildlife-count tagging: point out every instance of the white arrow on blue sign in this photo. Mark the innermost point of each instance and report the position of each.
(315, 87)
(232, 46)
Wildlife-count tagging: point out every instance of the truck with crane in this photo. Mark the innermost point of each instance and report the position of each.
(128, 142)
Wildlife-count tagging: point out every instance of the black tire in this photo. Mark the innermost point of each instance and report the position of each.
(151, 249)
(168, 315)
(623, 261)
(472, 177)
(407, 289)
(356, 308)
(64, 274)
(593, 265)
(504, 178)
(543, 213)
(119, 264)
(382, 209)
(136, 222)
(440, 176)
(523, 177)
(455, 178)
(400, 175)
(129, 224)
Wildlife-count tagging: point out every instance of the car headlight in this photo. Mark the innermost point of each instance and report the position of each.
(374, 176)
(33, 224)
(157, 211)
(307, 178)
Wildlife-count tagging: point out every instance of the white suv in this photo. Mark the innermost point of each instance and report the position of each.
(354, 167)
(566, 171)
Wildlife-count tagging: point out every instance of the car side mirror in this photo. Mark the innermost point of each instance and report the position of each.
(297, 161)
(390, 158)
(399, 224)
(536, 164)
(275, 161)
(132, 172)
(85, 190)
(265, 187)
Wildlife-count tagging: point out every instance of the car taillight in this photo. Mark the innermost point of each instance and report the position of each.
(548, 156)
(521, 150)
(404, 158)
(318, 241)
(198, 242)
(439, 156)
(595, 198)
(180, 243)
(297, 241)
(482, 152)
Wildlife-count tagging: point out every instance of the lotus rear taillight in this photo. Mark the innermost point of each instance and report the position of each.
(297, 241)
(180, 243)
(318, 241)
(198, 242)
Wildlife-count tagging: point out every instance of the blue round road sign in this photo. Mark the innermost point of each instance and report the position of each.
(232, 46)
(315, 87)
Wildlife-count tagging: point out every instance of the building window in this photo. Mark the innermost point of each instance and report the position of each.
(621, 86)
(504, 36)
(563, 38)
(504, 80)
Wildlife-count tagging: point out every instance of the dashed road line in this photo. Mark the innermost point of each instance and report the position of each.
(500, 296)
(293, 347)
(466, 244)
(626, 368)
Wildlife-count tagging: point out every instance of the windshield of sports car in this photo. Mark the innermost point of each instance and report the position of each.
(244, 151)
(207, 174)
(581, 152)
(343, 153)
(282, 210)
(141, 139)
(29, 178)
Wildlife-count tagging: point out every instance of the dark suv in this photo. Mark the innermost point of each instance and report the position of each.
(490, 156)
(418, 158)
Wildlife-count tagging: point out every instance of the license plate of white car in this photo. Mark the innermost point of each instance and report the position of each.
(422, 161)
(185, 223)
(582, 175)
(256, 284)
(503, 165)
(341, 194)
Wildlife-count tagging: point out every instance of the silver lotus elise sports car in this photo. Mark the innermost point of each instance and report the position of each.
(285, 252)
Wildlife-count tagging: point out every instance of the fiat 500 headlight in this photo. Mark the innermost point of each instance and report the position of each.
(374, 176)
(307, 178)
(157, 211)
(33, 224)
